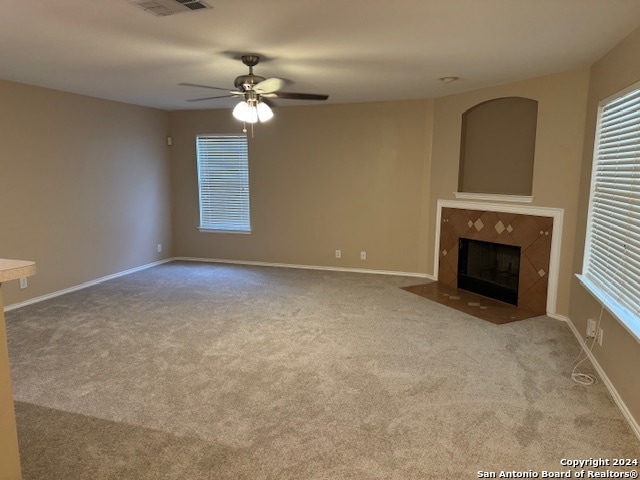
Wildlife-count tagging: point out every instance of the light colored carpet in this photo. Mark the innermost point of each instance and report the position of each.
(205, 371)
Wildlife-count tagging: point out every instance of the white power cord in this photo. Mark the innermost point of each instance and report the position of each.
(578, 376)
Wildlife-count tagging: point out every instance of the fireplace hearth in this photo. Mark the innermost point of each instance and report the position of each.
(489, 269)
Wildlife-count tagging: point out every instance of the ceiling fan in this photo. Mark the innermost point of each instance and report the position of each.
(255, 93)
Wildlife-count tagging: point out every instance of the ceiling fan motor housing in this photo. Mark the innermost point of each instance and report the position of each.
(247, 82)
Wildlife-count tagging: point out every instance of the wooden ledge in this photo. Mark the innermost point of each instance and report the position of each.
(14, 269)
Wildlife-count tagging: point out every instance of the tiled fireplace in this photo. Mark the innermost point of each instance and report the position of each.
(532, 233)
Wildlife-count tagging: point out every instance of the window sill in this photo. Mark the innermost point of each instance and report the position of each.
(627, 319)
(211, 230)
(496, 197)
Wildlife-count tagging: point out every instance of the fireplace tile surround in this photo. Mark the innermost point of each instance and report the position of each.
(532, 233)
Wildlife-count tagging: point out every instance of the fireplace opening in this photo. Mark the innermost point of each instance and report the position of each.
(489, 269)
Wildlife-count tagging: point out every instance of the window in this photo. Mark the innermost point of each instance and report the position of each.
(611, 269)
(223, 183)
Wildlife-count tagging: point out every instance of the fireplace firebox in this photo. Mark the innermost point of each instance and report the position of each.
(489, 269)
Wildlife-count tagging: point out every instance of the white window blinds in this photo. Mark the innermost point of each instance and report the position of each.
(612, 256)
(223, 183)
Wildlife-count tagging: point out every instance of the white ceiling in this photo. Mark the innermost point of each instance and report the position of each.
(352, 50)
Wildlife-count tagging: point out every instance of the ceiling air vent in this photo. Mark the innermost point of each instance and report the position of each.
(164, 8)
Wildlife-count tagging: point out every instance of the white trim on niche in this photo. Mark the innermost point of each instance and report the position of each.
(556, 238)
(494, 197)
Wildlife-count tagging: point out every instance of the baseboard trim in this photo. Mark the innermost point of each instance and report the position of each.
(559, 317)
(603, 376)
(90, 283)
(306, 267)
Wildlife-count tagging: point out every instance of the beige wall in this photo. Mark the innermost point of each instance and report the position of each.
(497, 147)
(351, 177)
(558, 152)
(84, 187)
(620, 354)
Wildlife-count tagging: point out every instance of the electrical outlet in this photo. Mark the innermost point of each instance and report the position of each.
(363, 255)
(159, 247)
(23, 282)
(338, 253)
(591, 328)
(599, 336)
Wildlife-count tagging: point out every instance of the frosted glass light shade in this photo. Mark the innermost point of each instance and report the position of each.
(264, 112)
(251, 111)
(245, 112)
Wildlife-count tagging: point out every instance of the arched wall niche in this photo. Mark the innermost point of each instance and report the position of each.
(497, 147)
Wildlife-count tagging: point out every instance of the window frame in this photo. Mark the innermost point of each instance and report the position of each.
(606, 294)
(234, 215)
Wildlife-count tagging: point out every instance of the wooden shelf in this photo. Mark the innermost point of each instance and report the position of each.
(14, 269)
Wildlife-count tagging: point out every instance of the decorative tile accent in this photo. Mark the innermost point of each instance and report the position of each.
(538, 253)
(528, 276)
(509, 228)
(525, 230)
(499, 227)
(478, 224)
(542, 273)
(470, 224)
(444, 252)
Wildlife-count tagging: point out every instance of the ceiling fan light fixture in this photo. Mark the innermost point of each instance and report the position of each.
(245, 112)
(252, 89)
(264, 112)
(252, 111)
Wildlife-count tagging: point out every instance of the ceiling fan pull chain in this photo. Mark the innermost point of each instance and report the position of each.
(244, 128)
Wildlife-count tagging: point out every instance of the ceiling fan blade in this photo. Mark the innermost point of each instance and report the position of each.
(208, 98)
(300, 96)
(269, 85)
(201, 86)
